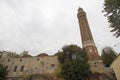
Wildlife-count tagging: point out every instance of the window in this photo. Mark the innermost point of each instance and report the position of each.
(35, 67)
(95, 64)
(52, 65)
(22, 68)
(37, 58)
(15, 68)
(6, 67)
(20, 59)
(113, 74)
(8, 60)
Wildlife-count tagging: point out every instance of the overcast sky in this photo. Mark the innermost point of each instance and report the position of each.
(44, 26)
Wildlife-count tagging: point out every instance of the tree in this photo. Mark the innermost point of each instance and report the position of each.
(77, 69)
(25, 54)
(3, 72)
(112, 9)
(70, 52)
(13, 54)
(73, 61)
(108, 56)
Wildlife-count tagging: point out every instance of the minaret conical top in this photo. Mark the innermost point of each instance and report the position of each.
(80, 9)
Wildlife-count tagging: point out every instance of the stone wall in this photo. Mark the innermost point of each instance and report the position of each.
(29, 65)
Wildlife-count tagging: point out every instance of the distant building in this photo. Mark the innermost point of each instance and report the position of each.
(116, 67)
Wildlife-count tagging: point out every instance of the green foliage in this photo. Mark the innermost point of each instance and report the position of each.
(73, 61)
(108, 56)
(3, 72)
(61, 57)
(70, 52)
(112, 9)
(25, 54)
(13, 54)
(77, 69)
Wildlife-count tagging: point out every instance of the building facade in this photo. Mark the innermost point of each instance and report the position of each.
(116, 67)
(20, 68)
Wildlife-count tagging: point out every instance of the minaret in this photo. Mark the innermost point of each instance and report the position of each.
(94, 60)
(86, 36)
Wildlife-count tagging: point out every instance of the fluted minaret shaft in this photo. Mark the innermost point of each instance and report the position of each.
(86, 36)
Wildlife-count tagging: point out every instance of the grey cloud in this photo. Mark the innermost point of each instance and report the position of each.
(46, 25)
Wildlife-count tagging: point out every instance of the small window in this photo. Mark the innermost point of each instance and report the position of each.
(15, 68)
(6, 67)
(20, 60)
(37, 58)
(8, 60)
(52, 65)
(22, 68)
(35, 67)
(113, 74)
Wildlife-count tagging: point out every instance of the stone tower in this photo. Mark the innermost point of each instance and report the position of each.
(87, 39)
